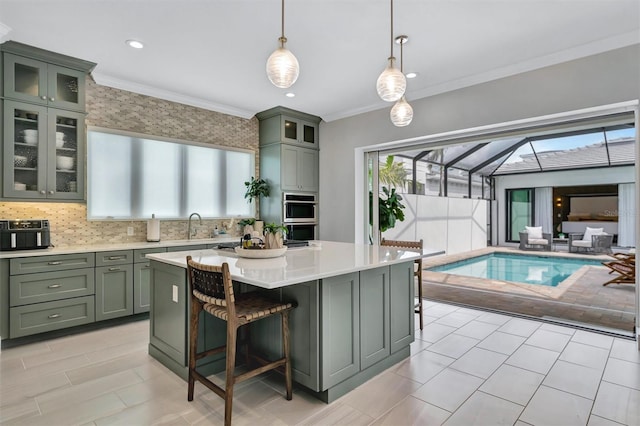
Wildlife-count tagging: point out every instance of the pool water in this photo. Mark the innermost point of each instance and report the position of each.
(539, 270)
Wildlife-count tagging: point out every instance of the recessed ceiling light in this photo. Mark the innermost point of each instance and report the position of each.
(411, 75)
(135, 44)
(290, 95)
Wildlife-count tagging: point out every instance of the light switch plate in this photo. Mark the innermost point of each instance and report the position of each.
(129, 230)
(175, 293)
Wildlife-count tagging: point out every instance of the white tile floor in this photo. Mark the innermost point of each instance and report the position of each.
(467, 368)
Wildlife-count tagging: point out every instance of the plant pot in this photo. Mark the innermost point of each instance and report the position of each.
(274, 241)
(258, 227)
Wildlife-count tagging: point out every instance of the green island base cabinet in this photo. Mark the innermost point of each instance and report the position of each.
(345, 329)
(43, 293)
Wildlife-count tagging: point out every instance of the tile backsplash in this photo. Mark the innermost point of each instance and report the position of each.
(69, 225)
(118, 109)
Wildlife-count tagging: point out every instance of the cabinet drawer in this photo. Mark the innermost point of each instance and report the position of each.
(185, 248)
(139, 254)
(48, 286)
(119, 257)
(49, 316)
(28, 265)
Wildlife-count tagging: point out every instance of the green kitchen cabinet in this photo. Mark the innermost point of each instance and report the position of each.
(39, 82)
(375, 342)
(47, 286)
(43, 153)
(168, 315)
(48, 316)
(187, 248)
(340, 335)
(289, 157)
(266, 334)
(44, 127)
(51, 263)
(299, 169)
(114, 291)
(284, 125)
(402, 299)
(142, 279)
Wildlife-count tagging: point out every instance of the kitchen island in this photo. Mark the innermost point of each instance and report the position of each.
(354, 316)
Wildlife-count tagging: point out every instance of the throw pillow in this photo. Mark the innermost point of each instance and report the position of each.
(535, 232)
(591, 231)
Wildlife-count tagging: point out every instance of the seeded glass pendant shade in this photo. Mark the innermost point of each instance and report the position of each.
(401, 113)
(391, 84)
(282, 65)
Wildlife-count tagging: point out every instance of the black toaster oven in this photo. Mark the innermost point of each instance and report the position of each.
(24, 234)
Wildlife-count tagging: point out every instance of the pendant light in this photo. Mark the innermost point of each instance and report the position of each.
(401, 113)
(282, 66)
(391, 83)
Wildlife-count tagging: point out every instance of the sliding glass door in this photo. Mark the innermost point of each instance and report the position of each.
(519, 212)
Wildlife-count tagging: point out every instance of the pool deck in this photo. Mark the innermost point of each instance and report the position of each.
(579, 299)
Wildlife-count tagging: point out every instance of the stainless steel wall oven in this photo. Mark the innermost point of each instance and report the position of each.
(299, 208)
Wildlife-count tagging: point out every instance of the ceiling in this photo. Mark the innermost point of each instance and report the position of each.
(212, 53)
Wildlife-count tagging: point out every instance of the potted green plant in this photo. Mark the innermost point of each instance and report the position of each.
(256, 188)
(389, 209)
(274, 235)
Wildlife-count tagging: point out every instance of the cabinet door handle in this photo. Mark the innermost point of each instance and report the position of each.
(43, 192)
(146, 267)
(54, 286)
(114, 269)
(55, 263)
(116, 257)
(52, 99)
(52, 316)
(51, 192)
(44, 98)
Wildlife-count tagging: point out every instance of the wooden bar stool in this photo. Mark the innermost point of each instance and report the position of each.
(417, 271)
(211, 290)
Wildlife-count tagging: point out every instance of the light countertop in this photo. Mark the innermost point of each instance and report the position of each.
(87, 248)
(298, 264)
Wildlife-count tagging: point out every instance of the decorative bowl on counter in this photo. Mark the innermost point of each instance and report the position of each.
(64, 163)
(20, 161)
(260, 253)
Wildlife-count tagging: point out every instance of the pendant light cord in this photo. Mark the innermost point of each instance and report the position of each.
(401, 56)
(282, 18)
(391, 54)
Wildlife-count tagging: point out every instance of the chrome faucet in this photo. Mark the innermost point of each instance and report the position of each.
(189, 232)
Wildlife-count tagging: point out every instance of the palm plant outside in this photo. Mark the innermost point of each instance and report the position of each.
(392, 174)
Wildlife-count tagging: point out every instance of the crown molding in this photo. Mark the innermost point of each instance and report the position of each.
(4, 30)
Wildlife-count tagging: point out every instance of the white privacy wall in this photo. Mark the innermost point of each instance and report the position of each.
(454, 225)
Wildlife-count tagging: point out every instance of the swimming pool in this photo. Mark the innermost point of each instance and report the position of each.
(539, 270)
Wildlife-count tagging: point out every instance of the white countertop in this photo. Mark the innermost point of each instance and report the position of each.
(87, 248)
(299, 264)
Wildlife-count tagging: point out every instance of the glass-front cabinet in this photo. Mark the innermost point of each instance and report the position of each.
(43, 83)
(295, 130)
(43, 152)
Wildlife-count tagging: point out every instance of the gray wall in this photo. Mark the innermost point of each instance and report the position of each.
(592, 81)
